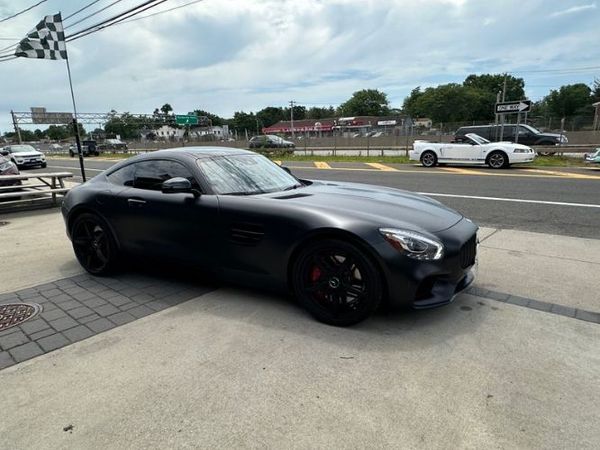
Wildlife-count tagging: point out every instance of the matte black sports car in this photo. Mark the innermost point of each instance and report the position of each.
(341, 248)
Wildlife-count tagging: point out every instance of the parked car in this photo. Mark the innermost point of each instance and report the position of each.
(7, 167)
(88, 147)
(55, 148)
(593, 157)
(473, 150)
(269, 141)
(523, 134)
(24, 156)
(113, 144)
(342, 248)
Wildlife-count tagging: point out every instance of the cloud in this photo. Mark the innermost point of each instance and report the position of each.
(573, 10)
(230, 55)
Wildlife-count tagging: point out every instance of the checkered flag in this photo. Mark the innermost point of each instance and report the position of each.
(45, 41)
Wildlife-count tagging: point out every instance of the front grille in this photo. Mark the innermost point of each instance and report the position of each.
(468, 252)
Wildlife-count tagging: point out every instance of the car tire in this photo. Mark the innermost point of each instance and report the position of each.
(71, 154)
(336, 282)
(44, 165)
(497, 160)
(94, 244)
(429, 159)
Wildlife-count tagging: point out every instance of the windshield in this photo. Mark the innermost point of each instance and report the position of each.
(532, 129)
(245, 175)
(21, 148)
(477, 139)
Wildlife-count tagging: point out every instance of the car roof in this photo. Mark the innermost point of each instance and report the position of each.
(199, 152)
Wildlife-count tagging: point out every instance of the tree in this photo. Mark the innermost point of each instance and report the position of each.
(596, 90)
(39, 134)
(243, 121)
(271, 115)
(166, 109)
(570, 100)
(59, 132)
(494, 83)
(316, 112)
(125, 125)
(214, 119)
(367, 102)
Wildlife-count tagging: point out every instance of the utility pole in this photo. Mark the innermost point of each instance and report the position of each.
(17, 130)
(503, 115)
(292, 103)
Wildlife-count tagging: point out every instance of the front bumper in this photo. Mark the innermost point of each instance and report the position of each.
(521, 158)
(31, 163)
(428, 284)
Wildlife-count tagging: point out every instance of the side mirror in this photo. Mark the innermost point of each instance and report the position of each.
(178, 185)
(4, 152)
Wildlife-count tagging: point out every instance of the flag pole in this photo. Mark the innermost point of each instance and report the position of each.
(75, 125)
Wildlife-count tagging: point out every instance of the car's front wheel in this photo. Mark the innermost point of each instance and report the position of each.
(44, 165)
(428, 159)
(337, 282)
(497, 160)
(94, 244)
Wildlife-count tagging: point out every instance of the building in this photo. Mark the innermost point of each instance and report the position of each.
(169, 133)
(218, 132)
(340, 125)
(423, 122)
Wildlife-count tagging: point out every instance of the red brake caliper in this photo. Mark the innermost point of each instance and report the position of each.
(315, 274)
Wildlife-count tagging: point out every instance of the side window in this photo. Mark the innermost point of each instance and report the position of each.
(123, 176)
(151, 174)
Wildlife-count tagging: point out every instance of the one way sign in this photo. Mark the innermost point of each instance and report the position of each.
(513, 107)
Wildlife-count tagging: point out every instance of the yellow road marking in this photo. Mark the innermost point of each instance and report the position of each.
(321, 165)
(382, 167)
(463, 171)
(511, 172)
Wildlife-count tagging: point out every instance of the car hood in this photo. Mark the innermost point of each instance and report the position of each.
(26, 154)
(387, 207)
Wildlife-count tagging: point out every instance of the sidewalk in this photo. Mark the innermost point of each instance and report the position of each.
(238, 368)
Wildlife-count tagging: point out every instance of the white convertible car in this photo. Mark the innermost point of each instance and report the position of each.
(476, 150)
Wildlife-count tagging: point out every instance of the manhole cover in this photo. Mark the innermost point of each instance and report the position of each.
(12, 314)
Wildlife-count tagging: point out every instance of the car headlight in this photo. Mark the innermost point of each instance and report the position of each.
(521, 150)
(43, 157)
(413, 244)
(19, 161)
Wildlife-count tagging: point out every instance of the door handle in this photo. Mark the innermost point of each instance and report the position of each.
(135, 202)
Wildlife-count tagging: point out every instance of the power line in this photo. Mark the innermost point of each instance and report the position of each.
(93, 14)
(115, 19)
(23, 11)
(80, 10)
(162, 12)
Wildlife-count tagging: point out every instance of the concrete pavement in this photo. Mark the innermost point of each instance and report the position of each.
(238, 368)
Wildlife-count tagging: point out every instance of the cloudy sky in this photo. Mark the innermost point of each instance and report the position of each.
(230, 55)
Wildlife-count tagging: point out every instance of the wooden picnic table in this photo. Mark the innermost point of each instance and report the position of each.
(44, 183)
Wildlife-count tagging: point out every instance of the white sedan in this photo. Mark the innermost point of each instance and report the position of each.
(476, 150)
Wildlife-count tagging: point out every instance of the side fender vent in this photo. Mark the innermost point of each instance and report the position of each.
(246, 233)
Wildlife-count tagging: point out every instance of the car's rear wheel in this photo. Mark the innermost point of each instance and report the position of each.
(497, 160)
(428, 159)
(94, 244)
(336, 282)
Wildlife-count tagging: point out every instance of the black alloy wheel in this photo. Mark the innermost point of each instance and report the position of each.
(336, 282)
(428, 159)
(93, 244)
(497, 160)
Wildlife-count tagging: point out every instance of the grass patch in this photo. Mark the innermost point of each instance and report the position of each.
(555, 161)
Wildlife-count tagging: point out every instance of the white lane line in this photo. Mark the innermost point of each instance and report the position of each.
(514, 200)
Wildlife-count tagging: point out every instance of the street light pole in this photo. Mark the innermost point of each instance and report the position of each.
(292, 103)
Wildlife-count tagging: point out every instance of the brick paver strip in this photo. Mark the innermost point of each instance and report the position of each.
(552, 308)
(82, 306)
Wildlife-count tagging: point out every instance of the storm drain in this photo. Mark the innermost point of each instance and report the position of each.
(12, 314)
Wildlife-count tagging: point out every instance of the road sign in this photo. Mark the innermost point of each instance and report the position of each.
(513, 107)
(186, 119)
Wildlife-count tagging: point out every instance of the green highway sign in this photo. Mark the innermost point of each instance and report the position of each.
(186, 119)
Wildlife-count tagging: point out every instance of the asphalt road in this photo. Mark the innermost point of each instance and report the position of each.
(557, 201)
